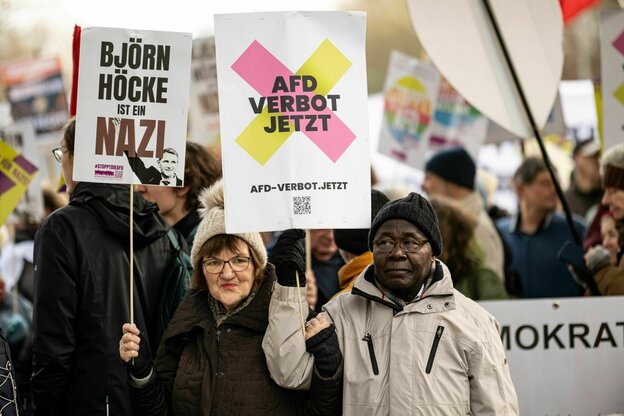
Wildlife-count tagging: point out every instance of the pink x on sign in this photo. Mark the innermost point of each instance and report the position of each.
(283, 110)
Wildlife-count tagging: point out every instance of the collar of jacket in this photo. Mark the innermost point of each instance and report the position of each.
(514, 223)
(194, 311)
(440, 288)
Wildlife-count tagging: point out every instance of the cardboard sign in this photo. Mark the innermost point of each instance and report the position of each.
(612, 56)
(293, 111)
(133, 92)
(36, 92)
(16, 172)
(410, 95)
(565, 355)
(204, 108)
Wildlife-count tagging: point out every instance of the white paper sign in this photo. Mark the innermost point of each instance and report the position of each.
(410, 94)
(204, 108)
(294, 128)
(565, 355)
(612, 56)
(133, 93)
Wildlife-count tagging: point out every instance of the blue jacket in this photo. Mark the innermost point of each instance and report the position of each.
(534, 257)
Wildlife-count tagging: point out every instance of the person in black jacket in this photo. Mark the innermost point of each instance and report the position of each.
(82, 296)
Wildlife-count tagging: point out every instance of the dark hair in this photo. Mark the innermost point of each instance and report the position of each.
(528, 170)
(201, 170)
(214, 246)
(69, 134)
(459, 248)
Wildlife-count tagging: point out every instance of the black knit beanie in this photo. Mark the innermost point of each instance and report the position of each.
(355, 240)
(455, 165)
(415, 209)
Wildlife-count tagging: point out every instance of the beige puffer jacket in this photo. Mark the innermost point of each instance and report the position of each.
(440, 355)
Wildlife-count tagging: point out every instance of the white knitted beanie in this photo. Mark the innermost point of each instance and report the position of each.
(213, 223)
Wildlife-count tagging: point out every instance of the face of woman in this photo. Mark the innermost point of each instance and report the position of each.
(610, 237)
(230, 286)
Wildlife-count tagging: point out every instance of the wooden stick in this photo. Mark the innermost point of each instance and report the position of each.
(300, 305)
(131, 254)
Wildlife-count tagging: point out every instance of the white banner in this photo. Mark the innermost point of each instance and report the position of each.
(294, 128)
(612, 64)
(204, 104)
(410, 94)
(133, 94)
(566, 355)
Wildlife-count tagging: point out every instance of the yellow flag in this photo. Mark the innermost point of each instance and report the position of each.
(16, 172)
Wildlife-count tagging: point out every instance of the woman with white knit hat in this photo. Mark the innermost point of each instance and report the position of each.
(210, 360)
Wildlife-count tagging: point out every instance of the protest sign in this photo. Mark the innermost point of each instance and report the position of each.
(612, 68)
(565, 355)
(133, 91)
(204, 104)
(293, 111)
(21, 137)
(16, 172)
(36, 93)
(410, 95)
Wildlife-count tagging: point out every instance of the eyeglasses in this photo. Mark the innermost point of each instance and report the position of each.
(237, 264)
(407, 246)
(58, 153)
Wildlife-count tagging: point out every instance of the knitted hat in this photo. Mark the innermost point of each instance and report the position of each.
(355, 240)
(213, 223)
(613, 167)
(415, 209)
(455, 165)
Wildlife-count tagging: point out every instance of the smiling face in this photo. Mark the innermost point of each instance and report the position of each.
(403, 273)
(610, 237)
(230, 287)
(614, 198)
(168, 164)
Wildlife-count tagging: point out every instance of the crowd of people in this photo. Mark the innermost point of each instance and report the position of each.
(391, 320)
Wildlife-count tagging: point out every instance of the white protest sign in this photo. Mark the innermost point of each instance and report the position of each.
(612, 60)
(204, 104)
(456, 123)
(410, 93)
(133, 93)
(294, 128)
(459, 37)
(565, 355)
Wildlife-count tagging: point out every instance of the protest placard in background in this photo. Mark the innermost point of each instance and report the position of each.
(294, 128)
(36, 92)
(410, 95)
(612, 68)
(133, 92)
(204, 103)
(16, 172)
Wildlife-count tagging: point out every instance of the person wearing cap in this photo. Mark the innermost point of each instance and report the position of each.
(411, 343)
(210, 360)
(536, 234)
(353, 246)
(451, 174)
(609, 277)
(585, 191)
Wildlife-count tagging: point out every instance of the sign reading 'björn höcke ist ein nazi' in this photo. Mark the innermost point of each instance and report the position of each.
(133, 92)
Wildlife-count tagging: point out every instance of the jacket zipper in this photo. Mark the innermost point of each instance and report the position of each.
(434, 348)
(371, 351)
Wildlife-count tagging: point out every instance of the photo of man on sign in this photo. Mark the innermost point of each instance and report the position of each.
(164, 175)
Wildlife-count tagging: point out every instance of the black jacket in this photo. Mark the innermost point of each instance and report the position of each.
(202, 369)
(82, 298)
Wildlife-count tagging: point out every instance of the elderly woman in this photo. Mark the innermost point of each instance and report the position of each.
(210, 360)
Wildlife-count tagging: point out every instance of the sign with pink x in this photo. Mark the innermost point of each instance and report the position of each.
(293, 115)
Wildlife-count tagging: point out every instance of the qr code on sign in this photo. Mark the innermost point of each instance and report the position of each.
(302, 205)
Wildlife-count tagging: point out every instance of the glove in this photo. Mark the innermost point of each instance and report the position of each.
(288, 256)
(597, 258)
(141, 366)
(326, 351)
